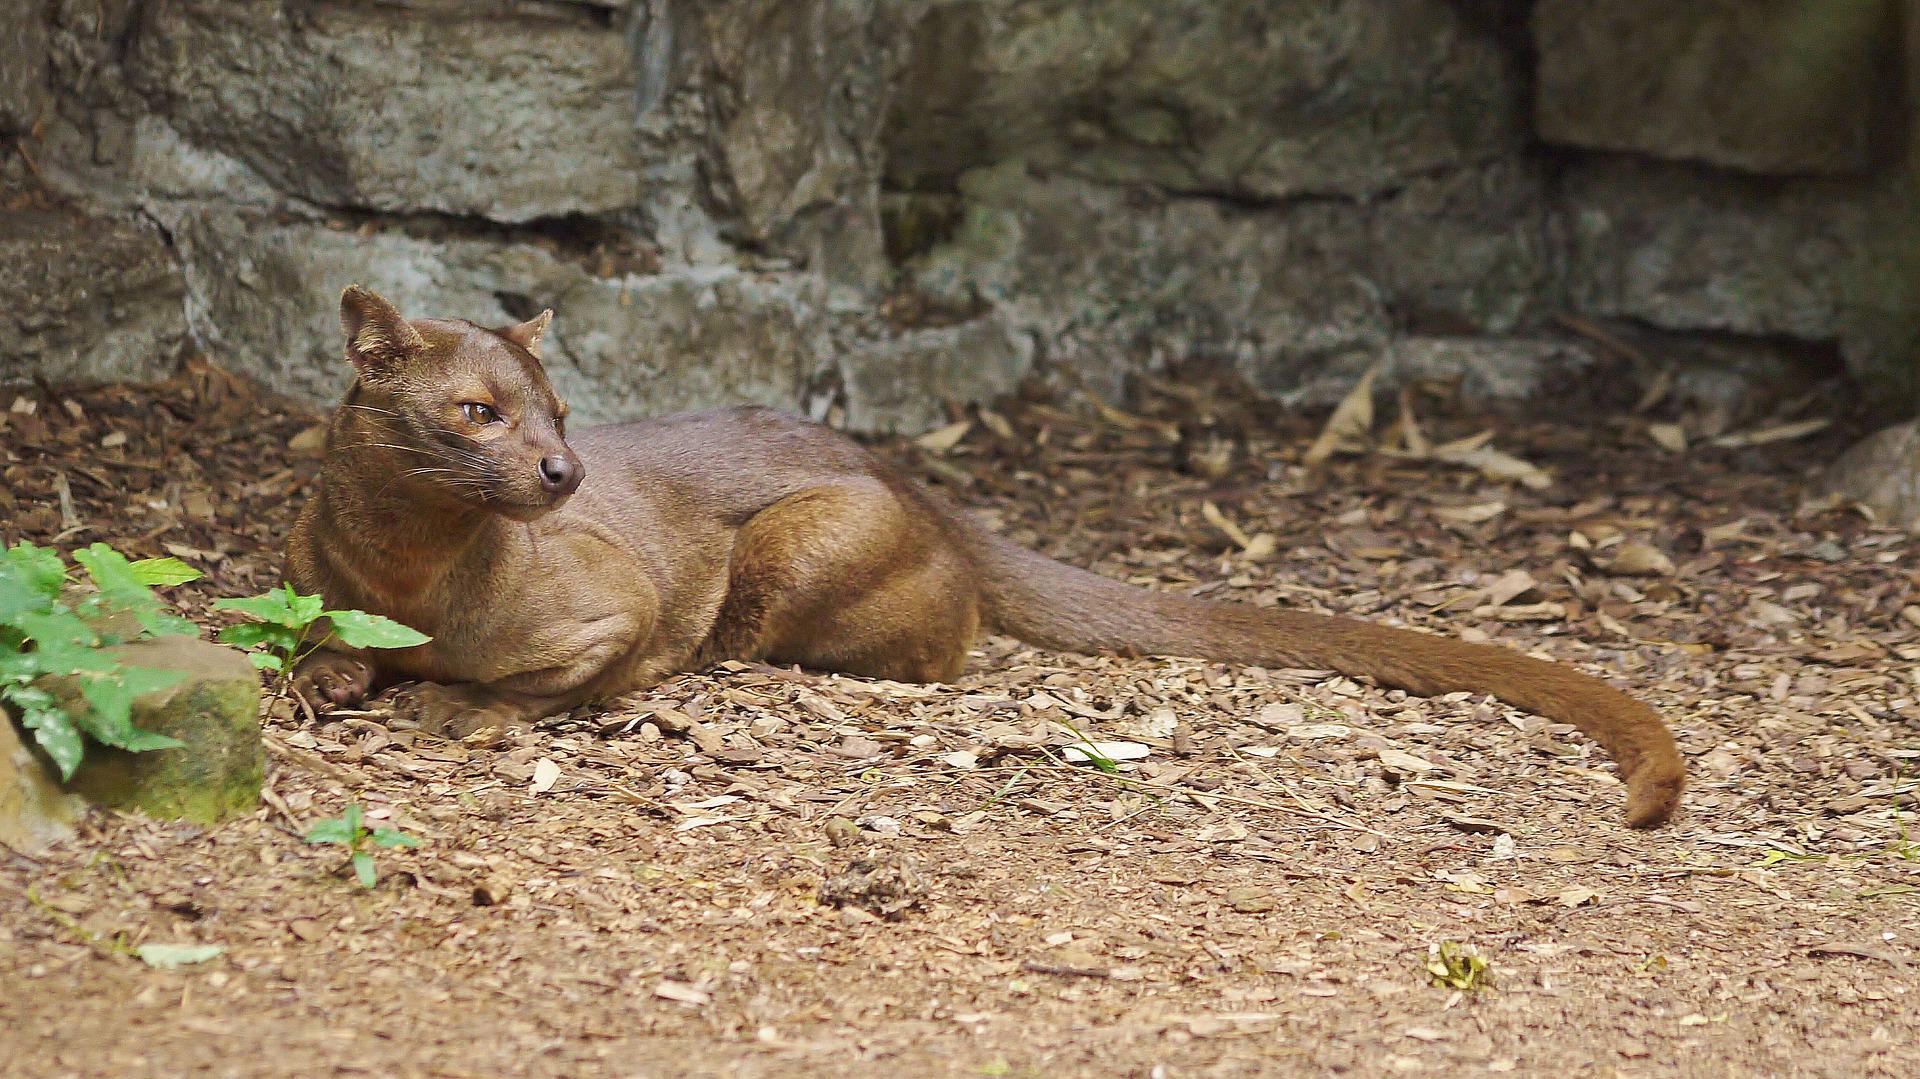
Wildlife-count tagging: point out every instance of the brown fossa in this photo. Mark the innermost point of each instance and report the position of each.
(552, 571)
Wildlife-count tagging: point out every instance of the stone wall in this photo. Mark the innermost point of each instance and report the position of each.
(870, 209)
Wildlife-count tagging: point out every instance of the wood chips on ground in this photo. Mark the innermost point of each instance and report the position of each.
(1261, 886)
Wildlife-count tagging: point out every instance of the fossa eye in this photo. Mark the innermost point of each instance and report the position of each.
(478, 414)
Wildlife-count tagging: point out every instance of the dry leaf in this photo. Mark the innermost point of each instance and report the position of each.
(1778, 433)
(1351, 423)
(682, 991)
(310, 442)
(1471, 515)
(545, 774)
(1639, 560)
(1225, 524)
(1668, 436)
(1495, 465)
(1412, 438)
(1127, 421)
(995, 422)
(944, 439)
(1404, 763)
(1508, 587)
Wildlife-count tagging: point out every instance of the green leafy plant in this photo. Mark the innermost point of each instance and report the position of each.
(284, 630)
(51, 629)
(350, 831)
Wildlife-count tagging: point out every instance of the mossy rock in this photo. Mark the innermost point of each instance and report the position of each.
(215, 710)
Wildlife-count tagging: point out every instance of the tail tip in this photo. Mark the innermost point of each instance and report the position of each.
(1653, 794)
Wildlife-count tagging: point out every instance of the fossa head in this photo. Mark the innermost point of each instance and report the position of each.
(467, 408)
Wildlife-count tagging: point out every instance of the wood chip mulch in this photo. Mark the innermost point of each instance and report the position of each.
(769, 872)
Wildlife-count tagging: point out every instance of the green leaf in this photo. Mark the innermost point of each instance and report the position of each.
(112, 696)
(162, 624)
(171, 956)
(112, 574)
(304, 608)
(250, 634)
(122, 589)
(25, 697)
(267, 661)
(359, 629)
(162, 572)
(271, 607)
(141, 681)
(111, 719)
(139, 741)
(55, 732)
(393, 837)
(72, 659)
(330, 831)
(18, 668)
(355, 819)
(56, 627)
(363, 868)
(30, 580)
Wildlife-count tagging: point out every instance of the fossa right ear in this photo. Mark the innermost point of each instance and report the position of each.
(379, 340)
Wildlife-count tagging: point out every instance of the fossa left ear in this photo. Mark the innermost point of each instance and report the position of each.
(527, 334)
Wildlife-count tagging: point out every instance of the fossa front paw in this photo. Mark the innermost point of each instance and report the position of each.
(452, 712)
(330, 680)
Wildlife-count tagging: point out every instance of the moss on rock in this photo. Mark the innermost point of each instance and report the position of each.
(215, 710)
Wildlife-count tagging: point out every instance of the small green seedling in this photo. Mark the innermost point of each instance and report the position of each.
(1088, 749)
(51, 630)
(284, 632)
(350, 831)
(1454, 966)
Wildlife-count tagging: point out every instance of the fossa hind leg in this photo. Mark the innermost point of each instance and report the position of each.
(845, 577)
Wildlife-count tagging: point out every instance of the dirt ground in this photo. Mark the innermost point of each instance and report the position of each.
(637, 890)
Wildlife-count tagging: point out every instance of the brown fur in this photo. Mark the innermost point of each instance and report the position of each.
(748, 535)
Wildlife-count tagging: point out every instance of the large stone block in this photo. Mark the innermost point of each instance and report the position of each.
(25, 92)
(1107, 281)
(498, 111)
(1788, 86)
(1466, 248)
(1260, 99)
(794, 92)
(87, 298)
(1688, 250)
(903, 382)
(265, 298)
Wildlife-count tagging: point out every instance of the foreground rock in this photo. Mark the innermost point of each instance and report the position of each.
(34, 811)
(215, 711)
(1883, 474)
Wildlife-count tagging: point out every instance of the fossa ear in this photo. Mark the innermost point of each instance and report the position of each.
(379, 339)
(528, 334)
